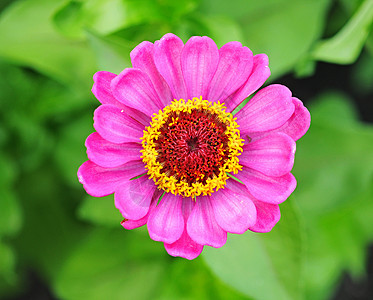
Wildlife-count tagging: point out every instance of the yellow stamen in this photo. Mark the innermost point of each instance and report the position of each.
(180, 187)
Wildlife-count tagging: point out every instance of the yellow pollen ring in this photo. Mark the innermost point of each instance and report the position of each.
(182, 188)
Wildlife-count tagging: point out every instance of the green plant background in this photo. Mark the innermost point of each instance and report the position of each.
(50, 229)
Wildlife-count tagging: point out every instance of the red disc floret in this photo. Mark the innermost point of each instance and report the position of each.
(192, 146)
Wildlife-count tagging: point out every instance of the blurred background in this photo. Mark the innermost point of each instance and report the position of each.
(56, 242)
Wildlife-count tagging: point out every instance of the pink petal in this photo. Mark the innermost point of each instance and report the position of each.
(167, 54)
(298, 123)
(234, 213)
(132, 224)
(99, 181)
(185, 246)
(199, 60)
(101, 88)
(116, 126)
(138, 116)
(134, 88)
(266, 188)
(166, 222)
(238, 188)
(107, 154)
(267, 216)
(272, 155)
(295, 127)
(270, 108)
(235, 66)
(142, 57)
(133, 197)
(260, 73)
(202, 226)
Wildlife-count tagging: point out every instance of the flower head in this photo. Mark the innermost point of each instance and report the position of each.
(169, 147)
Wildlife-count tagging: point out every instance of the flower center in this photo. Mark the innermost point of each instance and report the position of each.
(190, 146)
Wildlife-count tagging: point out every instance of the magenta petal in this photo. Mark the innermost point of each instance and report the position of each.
(270, 108)
(295, 127)
(267, 216)
(107, 154)
(233, 212)
(272, 155)
(199, 60)
(166, 222)
(235, 66)
(185, 246)
(132, 224)
(138, 116)
(202, 226)
(142, 57)
(238, 188)
(101, 88)
(298, 123)
(167, 55)
(99, 181)
(266, 188)
(260, 73)
(134, 88)
(116, 126)
(133, 197)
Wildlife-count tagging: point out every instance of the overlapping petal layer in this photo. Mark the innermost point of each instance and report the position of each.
(166, 223)
(270, 123)
(133, 197)
(235, 66)
(185, 246)
(111, 155)
(273, 155)
(99, 181)
(115, 125)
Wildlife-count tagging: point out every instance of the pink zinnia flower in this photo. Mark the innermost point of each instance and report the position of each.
(167, 144)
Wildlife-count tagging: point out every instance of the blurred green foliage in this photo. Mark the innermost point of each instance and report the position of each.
(49, 51)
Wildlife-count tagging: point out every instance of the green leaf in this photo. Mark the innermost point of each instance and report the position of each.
(263, 266)
(108, 16)
(28, 38)
(51, 232)
(284, 30)
(346, 45)
(71, 152)
(10, 212)
(334, 109)
(222, 29)
(102, 16)
(362, 75)
(335, 186)
(100, 211)
(34, 141)
(329, 155)
(35, 97)
(193, 280)
(112, 53)
(8, 170)
(7, 263)
(338, 242)
(69, 20)
(111, 264)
